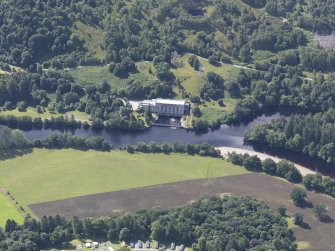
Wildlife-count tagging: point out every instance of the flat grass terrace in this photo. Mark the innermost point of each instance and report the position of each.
(47, 175)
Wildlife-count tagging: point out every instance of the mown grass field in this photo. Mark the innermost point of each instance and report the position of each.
(31, 112)
(92, 75)
(8, 211)
(47, 175)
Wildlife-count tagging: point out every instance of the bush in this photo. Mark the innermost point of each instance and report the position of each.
(298, 196)
(288, 171)
(236, 159)
(252, 163)
(200, 124)
(39, 109)
(320, 212)
(212, 60)
(194, 62)
(196, 112)
(282, 210)
(269, 166)
(313, 182)
(298, 219)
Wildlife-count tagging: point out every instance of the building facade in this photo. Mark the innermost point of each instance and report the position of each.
(166, 107)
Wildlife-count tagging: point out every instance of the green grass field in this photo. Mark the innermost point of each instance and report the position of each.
(93, 37)
(97, 74)
(212, 110)
(47, 175)
(193, 80)
(31, 112)
(8, 211)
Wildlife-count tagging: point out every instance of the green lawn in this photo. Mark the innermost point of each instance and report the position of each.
(31, 112)
(227, 71)
(97, 74)
(46, 175)
(8, 211)
(193, 80)
(212, 110)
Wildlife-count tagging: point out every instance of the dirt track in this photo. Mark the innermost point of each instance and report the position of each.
(273, 191)
(225, 150)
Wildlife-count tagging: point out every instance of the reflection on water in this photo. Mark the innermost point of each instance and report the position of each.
(229, 136)
(225, 136)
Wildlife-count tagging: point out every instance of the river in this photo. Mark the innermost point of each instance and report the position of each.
(225, 136)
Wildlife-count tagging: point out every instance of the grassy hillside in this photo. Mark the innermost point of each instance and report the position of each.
(47, 175)
(193, 80)
(8, 211)
(92, 36)
(97, 74)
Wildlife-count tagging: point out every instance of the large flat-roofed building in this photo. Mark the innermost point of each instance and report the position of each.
(165, 107)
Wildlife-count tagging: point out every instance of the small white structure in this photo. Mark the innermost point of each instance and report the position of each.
(165, 107)
(326, 42)
(88, 245)
(95, 244)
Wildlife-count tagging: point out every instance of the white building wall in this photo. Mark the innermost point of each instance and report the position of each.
(169, 108)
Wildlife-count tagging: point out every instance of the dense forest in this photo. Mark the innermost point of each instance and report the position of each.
(231, 223)
(309, 134)
(272, 40)
(32, 31)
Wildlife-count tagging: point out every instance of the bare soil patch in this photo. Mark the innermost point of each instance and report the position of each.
(275, 192)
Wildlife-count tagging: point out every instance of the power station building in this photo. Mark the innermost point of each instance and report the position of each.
(165, 107)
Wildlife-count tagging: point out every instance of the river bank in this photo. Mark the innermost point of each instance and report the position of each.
(228, 136)
(226, 150)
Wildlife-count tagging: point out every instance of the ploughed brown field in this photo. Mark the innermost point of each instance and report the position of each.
(275, 192)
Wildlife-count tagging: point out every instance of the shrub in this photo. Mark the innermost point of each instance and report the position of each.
(253, 163)
(313, 182)
(298, 219)
(269, 166)
(282, 210)
(320, 212)
(288, 171)
(298, 196)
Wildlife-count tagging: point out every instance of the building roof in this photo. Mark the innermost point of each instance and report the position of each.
(170, 101)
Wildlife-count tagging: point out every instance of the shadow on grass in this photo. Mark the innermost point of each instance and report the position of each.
(13, 153)
(305, 204)
(305, 226)
(327, 219)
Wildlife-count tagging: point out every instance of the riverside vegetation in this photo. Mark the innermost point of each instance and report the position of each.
(275, 51)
